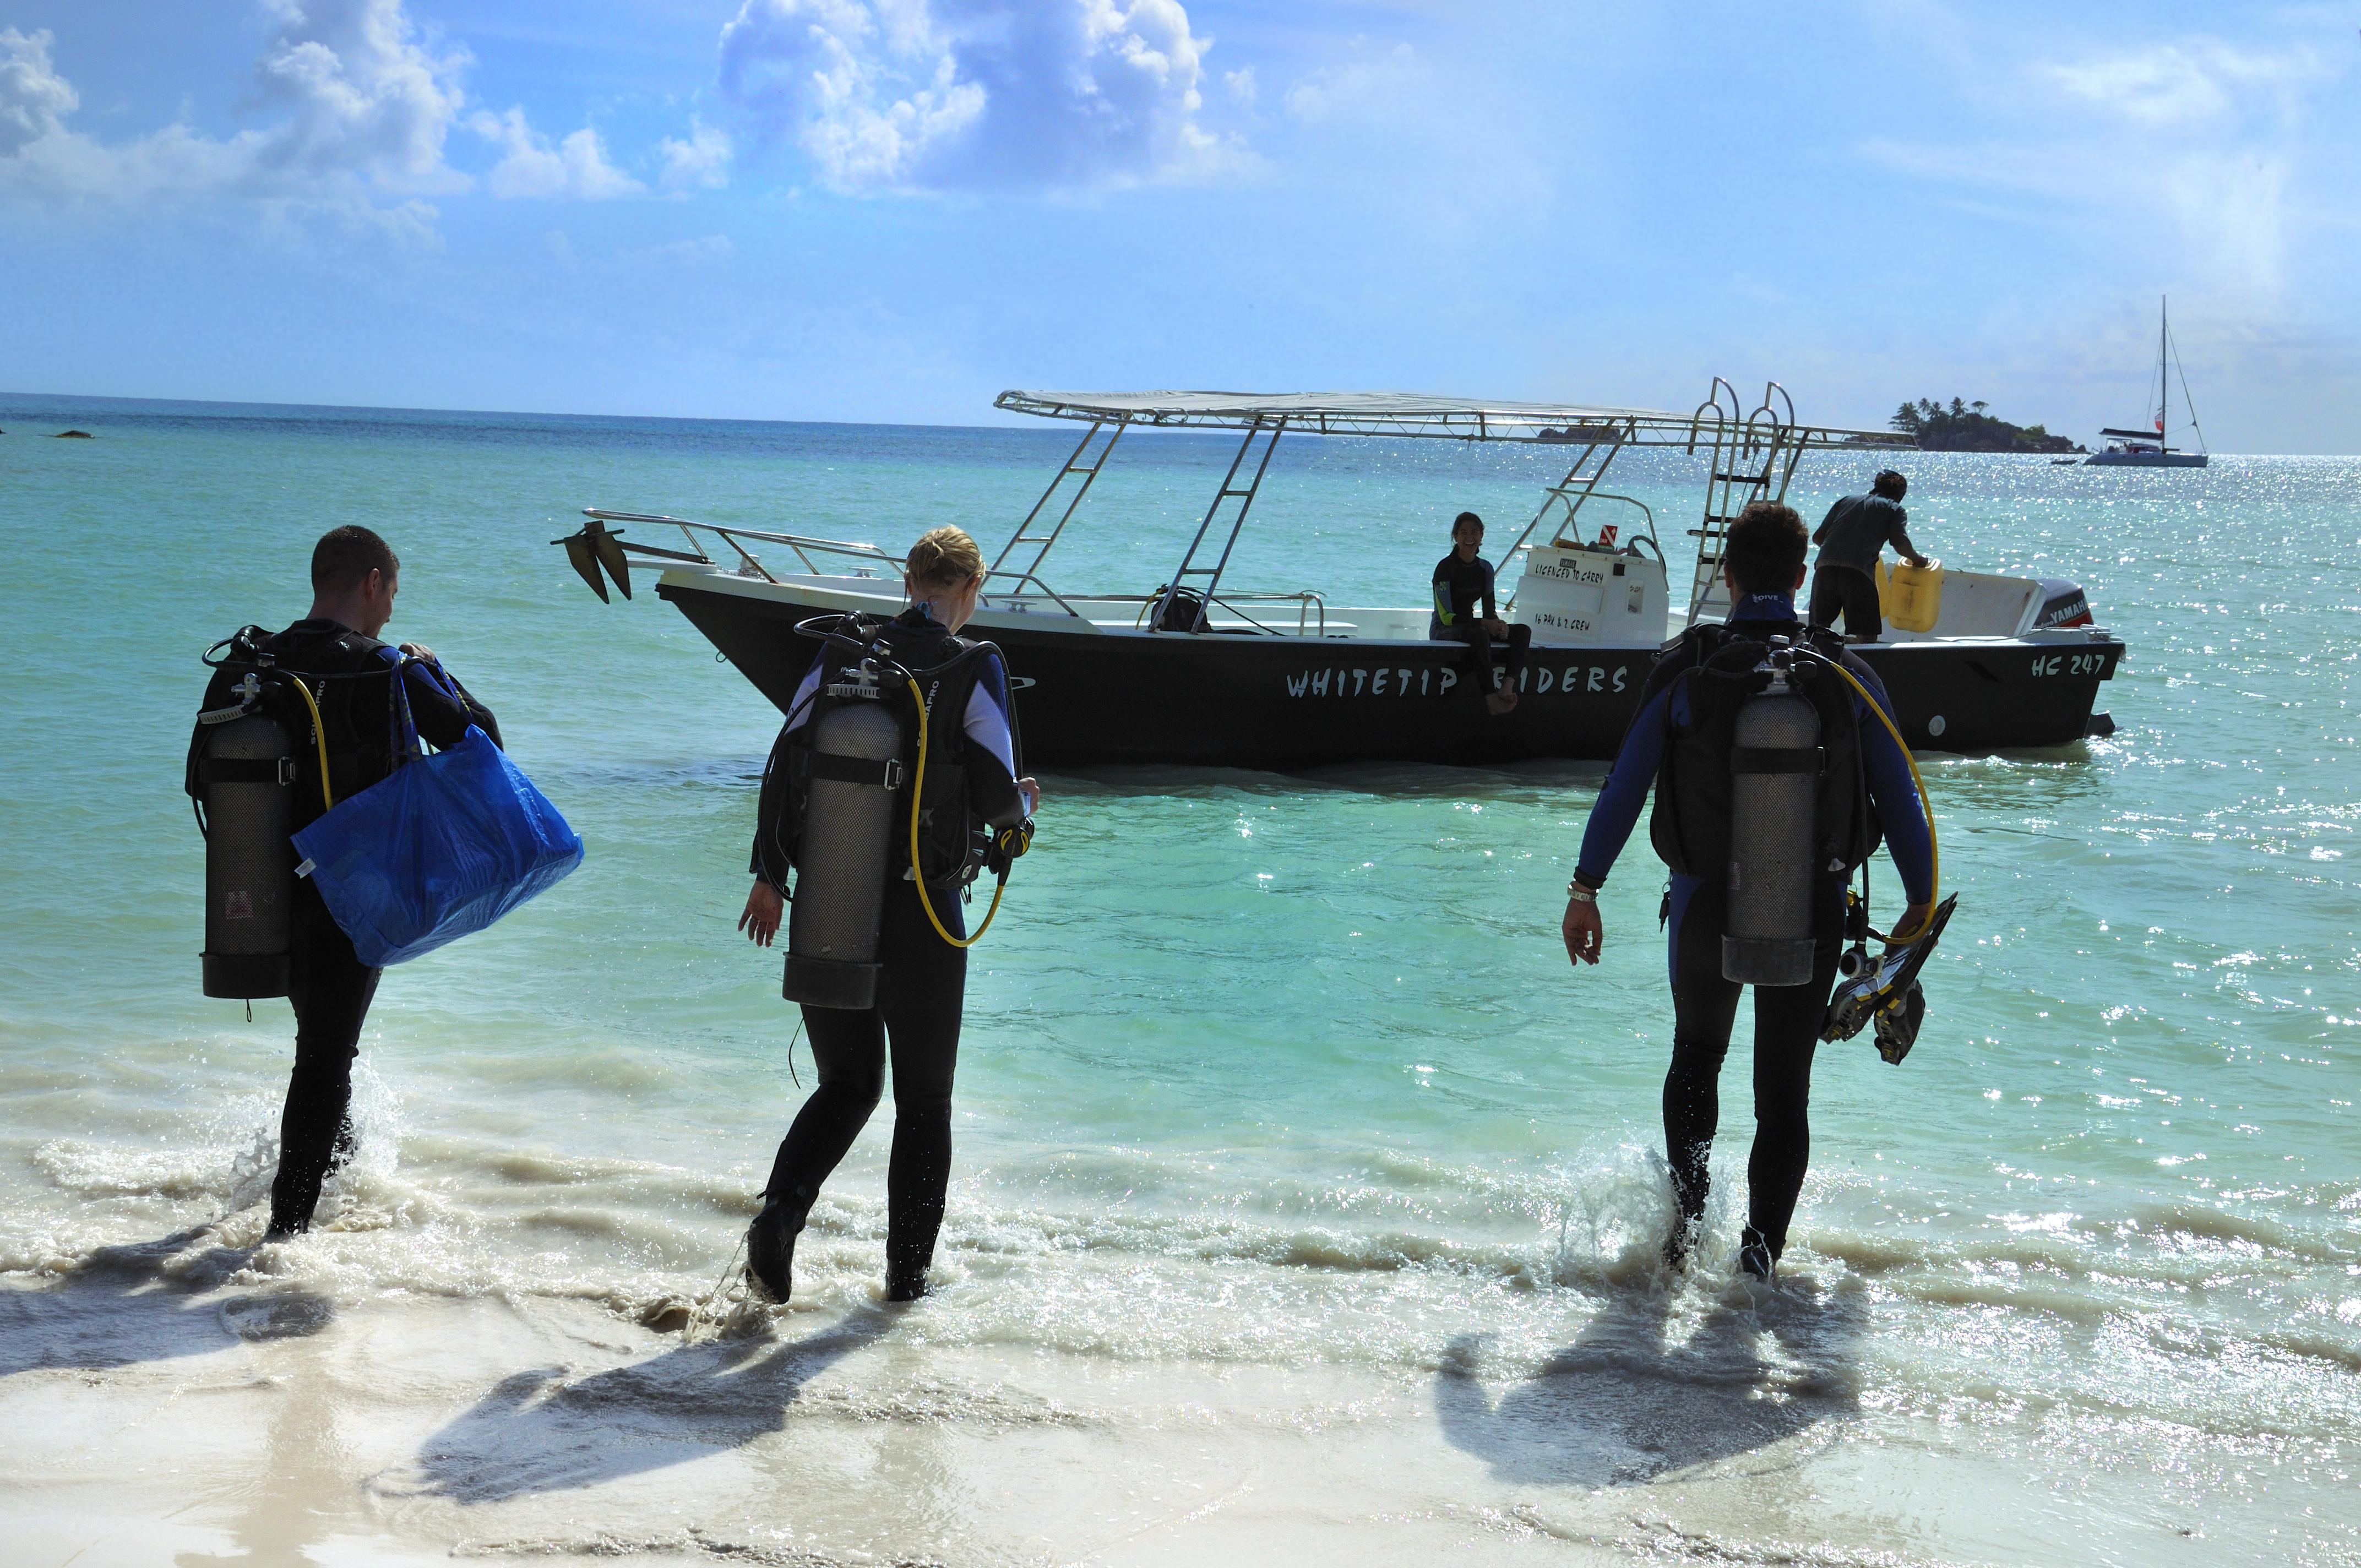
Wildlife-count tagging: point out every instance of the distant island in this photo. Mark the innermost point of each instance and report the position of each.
(1965, 427)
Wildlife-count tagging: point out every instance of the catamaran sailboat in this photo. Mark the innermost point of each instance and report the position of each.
(2143, 449)
(1200, 669)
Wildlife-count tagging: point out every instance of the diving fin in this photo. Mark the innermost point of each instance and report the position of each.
(583, 554)
(1888, 994)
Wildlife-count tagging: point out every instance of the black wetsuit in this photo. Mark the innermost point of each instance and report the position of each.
(922, 990)
(1705, 1006)
(1463, 603)
(329, 986)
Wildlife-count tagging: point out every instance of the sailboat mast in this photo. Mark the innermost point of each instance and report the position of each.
(2163, 371)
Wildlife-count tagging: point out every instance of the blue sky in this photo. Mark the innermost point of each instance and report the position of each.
(891, 209)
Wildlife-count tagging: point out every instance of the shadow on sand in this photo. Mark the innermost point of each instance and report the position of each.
(148, 1301)
(536, 1433)
(1624, 1405)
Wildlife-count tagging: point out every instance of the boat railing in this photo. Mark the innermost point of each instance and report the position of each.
(804, 546)
(1311, 610)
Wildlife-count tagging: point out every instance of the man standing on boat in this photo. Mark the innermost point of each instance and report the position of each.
(1851, 538)
(1682, 743)
(1463, 613)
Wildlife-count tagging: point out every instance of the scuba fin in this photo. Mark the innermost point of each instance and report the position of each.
(1887, 992)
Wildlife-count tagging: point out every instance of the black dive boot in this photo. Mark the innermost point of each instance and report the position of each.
(1755, 1259)
(901, 1286)
(770, 1249)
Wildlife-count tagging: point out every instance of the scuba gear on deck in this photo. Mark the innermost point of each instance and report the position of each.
(883, 724)
(1887, 992)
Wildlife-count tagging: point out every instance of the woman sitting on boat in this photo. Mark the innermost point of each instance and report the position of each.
(1463, 613)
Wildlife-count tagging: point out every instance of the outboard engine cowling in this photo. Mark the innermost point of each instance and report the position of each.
(843, 849)
(1774, 768)
(247, 772)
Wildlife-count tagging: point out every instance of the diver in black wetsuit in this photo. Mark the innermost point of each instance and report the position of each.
(1680, 742)
(923, 988)
(353, 577)
(1463, 613)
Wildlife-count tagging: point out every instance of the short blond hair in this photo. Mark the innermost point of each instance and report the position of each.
(943, 558)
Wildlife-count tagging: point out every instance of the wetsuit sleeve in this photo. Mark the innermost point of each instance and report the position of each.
(799, 708)
(1443, 610)
(991, 748)
(1490, 613)
(1894, 792)
(1617, 810)
(441, 707)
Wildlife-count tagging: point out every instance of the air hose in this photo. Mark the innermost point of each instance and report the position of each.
(917, 793)
(1926, 805)
(320, 736)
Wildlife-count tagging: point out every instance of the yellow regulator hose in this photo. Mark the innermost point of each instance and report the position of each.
(1925, 804)
(320, 735)
(917, 793)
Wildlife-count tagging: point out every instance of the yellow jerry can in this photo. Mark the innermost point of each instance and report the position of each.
(1908, 596)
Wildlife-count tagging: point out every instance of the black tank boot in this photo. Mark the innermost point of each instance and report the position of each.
(1755, 1258)
(771, 1245)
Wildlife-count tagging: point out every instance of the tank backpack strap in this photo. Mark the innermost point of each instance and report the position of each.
(402, 739)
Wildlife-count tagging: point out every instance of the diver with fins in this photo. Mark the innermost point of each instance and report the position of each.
(292, 722)
(896, 778)
(1776, 771)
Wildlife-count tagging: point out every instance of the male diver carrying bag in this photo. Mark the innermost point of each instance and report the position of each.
(440, 848)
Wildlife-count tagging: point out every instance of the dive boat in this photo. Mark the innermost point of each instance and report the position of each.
(2147, 449)
(1202, 671)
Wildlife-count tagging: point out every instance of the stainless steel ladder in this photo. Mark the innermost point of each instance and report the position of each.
(1042, 543)
(1267, 431)
(1749, 458)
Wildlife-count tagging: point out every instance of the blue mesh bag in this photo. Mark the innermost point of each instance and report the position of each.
(440, 848)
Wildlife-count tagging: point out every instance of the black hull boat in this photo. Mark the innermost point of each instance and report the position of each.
(1282, 702)
(1199, 671)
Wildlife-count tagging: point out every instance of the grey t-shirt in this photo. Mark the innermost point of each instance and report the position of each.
(1857, 529)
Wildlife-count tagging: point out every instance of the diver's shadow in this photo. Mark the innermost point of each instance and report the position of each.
(1622, 1404)
(148, 1301)
(536, 1433)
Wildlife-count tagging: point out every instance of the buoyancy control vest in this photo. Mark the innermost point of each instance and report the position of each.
(290, 721)
(835, 807)
(1718, 668)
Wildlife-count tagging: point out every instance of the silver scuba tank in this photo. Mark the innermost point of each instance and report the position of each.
(850, 817)
(1775, 779)
(247, 773)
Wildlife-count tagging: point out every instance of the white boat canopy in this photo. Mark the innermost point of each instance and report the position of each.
(1418, 414)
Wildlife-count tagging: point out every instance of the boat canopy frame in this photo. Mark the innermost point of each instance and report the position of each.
(1750, 456)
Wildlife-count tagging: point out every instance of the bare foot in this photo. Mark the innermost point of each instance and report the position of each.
(1501, 702)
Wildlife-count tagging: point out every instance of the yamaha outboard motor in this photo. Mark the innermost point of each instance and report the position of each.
(1774, 767)
(844, 848)
(246, 774)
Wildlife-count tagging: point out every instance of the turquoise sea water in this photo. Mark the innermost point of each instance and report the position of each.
(1276, 1072)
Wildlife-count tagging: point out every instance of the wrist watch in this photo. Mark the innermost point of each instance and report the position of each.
(1579, 894)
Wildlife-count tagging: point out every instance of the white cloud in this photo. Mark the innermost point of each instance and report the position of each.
(1375, 83)
(34, 99)
(2192, 83)
(1244, 89)
(2195, 134)
(949, 95)
(530, 166)
(702, 159)
(357, 109)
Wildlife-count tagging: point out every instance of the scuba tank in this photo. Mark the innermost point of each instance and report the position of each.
(245, 770)
(851, 810)
(1774, 767)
